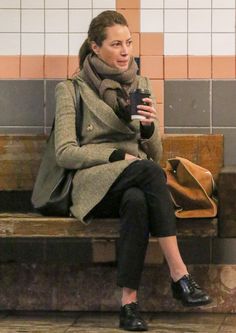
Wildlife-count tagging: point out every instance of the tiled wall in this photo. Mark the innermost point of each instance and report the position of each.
(186, 47)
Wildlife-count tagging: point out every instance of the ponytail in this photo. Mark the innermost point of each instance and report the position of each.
(83, 52)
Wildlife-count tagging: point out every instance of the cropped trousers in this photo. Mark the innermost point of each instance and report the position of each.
(140, 198)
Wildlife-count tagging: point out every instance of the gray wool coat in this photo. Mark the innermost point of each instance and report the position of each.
(102, 133)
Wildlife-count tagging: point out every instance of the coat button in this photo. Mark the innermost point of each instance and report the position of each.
(89, 127)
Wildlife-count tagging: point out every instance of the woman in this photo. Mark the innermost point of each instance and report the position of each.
(117, 162)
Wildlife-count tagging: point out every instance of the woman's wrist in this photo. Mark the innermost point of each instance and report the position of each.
(117, 155)
(146, 131)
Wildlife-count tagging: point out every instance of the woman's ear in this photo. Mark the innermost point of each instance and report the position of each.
(95, 48)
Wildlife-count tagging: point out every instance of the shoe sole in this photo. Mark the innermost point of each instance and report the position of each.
(133, 329)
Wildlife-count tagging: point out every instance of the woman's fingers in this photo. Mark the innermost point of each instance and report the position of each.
(148, 111)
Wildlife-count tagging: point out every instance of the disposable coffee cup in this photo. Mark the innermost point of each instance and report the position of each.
(136, 98)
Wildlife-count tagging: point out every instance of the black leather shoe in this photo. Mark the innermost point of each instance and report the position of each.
(189, 292)
(130, 318)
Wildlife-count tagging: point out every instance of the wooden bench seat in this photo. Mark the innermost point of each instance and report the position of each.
(33, 225)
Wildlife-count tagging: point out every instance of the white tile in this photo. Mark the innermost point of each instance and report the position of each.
(75, 42)
(151, 4)
(56, 44)
(223, 44)
(32, 20)
(176, 3)
(152, 20)
(80, 3)
(10, 44)
(223, 4)
(199, 44)
(79, 20)
(96, 12)
(56, 4)
(32, 44)
(199, 20)
(32, 3)
(223, 20)
(175, 44)
(9, 20)
(10, 4)
(107, 4)
(199, 3)
(56, 20)
(175, 20)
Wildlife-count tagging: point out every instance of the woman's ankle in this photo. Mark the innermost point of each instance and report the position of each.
(178, 274)
(128, 296)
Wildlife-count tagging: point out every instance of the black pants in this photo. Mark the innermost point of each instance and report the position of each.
(141, 199)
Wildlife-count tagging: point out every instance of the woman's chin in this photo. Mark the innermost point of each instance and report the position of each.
(122, 67)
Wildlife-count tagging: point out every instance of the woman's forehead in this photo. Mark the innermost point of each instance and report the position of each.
(117, 32)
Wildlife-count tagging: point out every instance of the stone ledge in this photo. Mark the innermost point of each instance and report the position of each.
(72, 288)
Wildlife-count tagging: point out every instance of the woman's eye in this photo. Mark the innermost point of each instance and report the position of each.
(116, 44)
(129, 42)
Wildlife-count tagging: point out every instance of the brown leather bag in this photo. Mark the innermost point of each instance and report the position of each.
(191, 187)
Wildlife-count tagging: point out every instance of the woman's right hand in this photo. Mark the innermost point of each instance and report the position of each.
(131, 157)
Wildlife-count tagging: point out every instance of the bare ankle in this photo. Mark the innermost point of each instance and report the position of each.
(178, 274)
(128, 296)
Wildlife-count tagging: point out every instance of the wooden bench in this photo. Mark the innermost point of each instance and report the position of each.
(20, 159)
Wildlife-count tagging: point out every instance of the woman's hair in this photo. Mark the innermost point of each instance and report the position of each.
(97, 31)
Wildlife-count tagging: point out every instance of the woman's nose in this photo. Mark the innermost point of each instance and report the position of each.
(124, 49)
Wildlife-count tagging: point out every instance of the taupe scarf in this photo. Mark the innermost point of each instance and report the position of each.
(111, 84)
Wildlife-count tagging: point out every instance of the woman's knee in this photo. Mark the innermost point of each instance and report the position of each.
(134, 198)
(151, 168)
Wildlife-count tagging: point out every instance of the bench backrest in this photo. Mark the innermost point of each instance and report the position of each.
(21, 154)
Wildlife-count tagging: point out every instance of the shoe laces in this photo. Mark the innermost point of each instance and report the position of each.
(192, 283)
(132, 310)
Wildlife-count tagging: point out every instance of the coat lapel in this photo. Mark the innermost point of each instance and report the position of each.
(101, 110)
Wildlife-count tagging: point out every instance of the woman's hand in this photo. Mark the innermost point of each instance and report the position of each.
(131, 157)
(148, 111)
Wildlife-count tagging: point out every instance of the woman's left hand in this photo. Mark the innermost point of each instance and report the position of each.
(148, 111)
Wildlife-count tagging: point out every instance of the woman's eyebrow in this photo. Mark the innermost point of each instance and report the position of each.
(118, 40)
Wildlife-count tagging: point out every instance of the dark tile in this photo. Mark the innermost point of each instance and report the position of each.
(70, 251)
(21, 250)
(22, 103)
(187, 104)
(137, 59)
(195, 250)
(187, 130)
(223, 103)
(224, 251)
(229, 144)
(50, 101)
(11, 201)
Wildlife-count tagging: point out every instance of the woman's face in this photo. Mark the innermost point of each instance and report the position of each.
(116, 49)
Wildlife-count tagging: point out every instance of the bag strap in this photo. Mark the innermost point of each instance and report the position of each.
(78, 110)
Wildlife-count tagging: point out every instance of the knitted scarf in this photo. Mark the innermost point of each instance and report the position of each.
(111, 84)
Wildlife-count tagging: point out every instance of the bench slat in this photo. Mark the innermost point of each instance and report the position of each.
(37, 226)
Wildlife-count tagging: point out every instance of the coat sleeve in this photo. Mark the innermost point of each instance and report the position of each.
(69, 154)
(153, 146)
